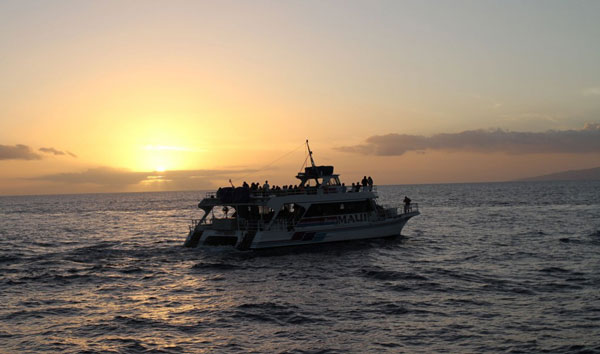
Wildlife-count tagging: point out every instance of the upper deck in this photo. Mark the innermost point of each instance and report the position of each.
(262, 197)
(317, 184)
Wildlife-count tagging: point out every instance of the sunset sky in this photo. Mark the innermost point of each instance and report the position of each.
(113, 96)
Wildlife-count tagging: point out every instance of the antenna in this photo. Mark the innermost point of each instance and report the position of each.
(312, 162)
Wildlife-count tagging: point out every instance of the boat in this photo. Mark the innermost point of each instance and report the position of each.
(320, 209)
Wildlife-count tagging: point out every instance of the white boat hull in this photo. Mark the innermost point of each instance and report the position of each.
(261, 239)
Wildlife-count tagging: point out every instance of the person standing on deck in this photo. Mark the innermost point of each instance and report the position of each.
(406, 204)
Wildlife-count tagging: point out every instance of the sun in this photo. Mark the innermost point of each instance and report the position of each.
(161, 158)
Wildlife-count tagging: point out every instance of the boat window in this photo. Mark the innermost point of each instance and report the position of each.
(290, 211)
(224, 212)
(325, 209)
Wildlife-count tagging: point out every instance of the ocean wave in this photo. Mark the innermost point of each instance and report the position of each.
(10, 258)
(215, 266)
(275, 313)
(554, 270)
(380, 274)
(42, 313)
(387, 308)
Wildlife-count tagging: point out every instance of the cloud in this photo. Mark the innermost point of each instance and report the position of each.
(53, 151)
(105, 176)
(18, 152)
(586, 140)
(115, 177)
(24, 152)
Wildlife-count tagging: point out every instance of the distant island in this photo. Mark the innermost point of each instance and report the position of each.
(571, 175)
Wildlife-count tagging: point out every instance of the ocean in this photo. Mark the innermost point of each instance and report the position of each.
(489, 267)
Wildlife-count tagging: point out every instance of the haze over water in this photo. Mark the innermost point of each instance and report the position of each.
(485, 268)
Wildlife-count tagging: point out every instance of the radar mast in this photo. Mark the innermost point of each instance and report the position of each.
(312, 162)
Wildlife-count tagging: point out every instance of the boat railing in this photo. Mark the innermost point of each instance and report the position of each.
(287, 224)
(239, 224)
(412, 207)
(311, 191)
(394, 210)
(195, 223)
(259, 194)
(282, 225)
(251, 225)
(229, 224)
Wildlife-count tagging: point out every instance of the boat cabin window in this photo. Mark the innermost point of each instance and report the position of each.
(291, 211)
(325, 209)
(224, 212)
(332, 181)
(253, 212)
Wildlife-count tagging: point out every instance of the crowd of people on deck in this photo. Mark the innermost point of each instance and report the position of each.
(366, 184)
(266, 189)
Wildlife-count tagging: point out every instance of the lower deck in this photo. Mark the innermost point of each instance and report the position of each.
(204, 235)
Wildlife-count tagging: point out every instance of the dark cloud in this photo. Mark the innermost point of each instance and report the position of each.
(114, 177)
(53, 151)
(586, 140)
(18, 152)
(105, 176)
(24, 152)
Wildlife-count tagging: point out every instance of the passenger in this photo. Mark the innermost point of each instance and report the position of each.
(365, 181)
(343, 188)
(358, 186)
(353, 187)
(370, 183)
(406, 204)
(266, 187)
(245, 185)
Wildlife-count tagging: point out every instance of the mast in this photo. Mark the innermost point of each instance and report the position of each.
(312, 162)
